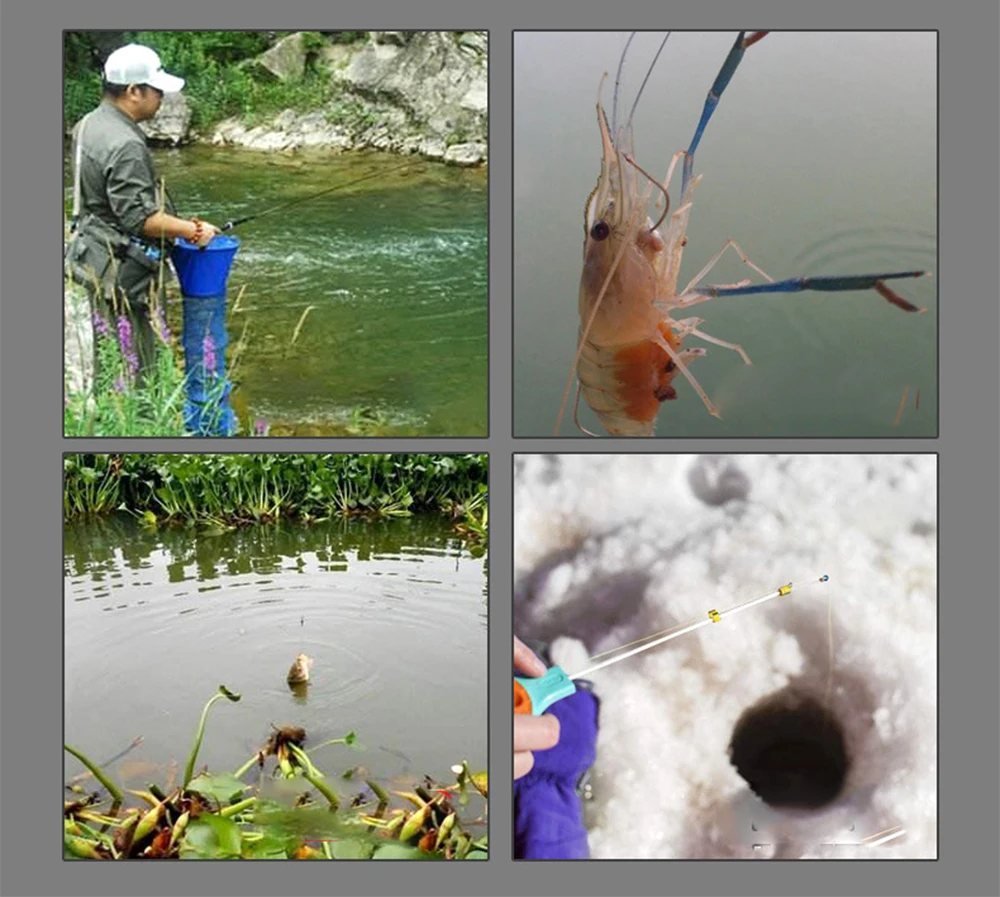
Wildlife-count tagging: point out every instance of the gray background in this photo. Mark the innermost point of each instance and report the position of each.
(30, 775)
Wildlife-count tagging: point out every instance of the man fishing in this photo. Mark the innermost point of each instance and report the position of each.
(120, 220)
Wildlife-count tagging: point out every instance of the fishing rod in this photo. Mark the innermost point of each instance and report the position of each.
(229, 225)
(535, 695)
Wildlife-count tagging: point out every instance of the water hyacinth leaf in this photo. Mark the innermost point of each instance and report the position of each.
(395, 851)
(222, 788)
(268, 847)
(352, 850)
(211, 837)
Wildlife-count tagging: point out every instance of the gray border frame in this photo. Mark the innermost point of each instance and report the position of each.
(968, 447)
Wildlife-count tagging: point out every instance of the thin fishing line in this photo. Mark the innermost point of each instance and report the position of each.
(714, 616)
(645, 638)
(666, 631)
(829, 664)
(229, 225)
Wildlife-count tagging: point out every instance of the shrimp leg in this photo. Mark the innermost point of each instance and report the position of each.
(715, 260)
(799, 284)
(714, 95)
(677, 360)
(690, 326)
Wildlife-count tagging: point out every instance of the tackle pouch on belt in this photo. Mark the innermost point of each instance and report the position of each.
(116, 260)
(138, 269)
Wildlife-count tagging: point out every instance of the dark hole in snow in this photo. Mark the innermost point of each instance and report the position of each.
(789, 750)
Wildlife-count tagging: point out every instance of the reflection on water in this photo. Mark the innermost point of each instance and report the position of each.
(820, 159)
(394, 613)
(395, 269)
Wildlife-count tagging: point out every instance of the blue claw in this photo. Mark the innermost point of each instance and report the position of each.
(712, 100)
(825, 284)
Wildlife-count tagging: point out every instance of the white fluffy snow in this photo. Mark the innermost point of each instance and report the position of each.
(610, 548)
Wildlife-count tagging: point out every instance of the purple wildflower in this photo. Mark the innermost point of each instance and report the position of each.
(119, 385)
(100, 325)
(125, 342)
(260, 427)
(208, 352)
(161, 324)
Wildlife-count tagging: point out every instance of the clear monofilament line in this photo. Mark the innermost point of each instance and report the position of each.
(714, 616)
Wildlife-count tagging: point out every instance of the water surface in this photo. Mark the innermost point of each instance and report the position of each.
(394, 614)
(820, 159)
(395, 269)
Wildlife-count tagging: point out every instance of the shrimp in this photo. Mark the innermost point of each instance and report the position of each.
(631, 347)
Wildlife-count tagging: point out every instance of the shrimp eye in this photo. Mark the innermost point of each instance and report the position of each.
(600, 231)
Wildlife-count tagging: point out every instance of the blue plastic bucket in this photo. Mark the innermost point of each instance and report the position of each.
(204, 272)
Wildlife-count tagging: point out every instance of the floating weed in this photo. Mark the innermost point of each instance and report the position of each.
(219, 816)
(298, 327)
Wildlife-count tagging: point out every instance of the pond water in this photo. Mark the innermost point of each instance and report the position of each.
(820, 159)
(394, 268)
(393, 612)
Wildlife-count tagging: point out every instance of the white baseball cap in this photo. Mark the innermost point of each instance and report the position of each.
(135, 64)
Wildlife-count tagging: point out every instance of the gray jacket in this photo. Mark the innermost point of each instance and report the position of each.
(118, 192)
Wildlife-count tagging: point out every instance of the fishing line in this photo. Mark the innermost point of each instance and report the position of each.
(533, 695)
(229, 225)
(714, 616)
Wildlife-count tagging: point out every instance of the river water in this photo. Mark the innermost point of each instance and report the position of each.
(820, 159)
(394, 268)
(394, 613)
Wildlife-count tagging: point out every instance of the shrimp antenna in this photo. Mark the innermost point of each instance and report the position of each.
(649, 72)
(666, 196)
(614, 101)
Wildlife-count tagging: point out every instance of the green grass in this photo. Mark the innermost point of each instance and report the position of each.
(118, 402)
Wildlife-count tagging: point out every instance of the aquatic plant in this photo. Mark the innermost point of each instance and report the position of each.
(220, 816)
(233, 489)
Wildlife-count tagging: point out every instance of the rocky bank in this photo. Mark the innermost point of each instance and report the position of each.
(423, 92)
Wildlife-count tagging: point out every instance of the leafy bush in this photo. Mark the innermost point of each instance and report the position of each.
(217, 87)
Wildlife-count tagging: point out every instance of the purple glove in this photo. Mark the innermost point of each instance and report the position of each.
(548, 812)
